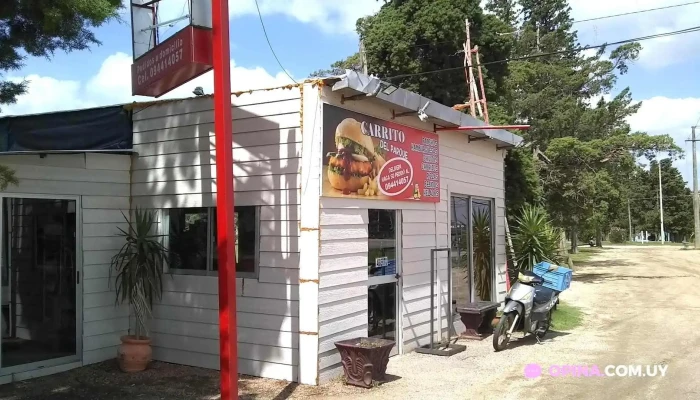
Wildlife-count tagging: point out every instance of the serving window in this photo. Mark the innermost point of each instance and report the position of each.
(190, 236)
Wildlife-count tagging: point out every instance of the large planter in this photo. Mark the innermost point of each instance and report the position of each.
(477, 318)
(134, 354)
(364, 360)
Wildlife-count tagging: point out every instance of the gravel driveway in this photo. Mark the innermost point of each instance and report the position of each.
(641, 306)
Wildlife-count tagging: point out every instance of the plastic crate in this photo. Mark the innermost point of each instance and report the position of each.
(558, 278)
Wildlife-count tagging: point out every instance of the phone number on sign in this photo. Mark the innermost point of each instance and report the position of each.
(397, 176)
(164, 59)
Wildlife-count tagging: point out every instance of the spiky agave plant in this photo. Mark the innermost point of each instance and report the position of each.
(534, 238)
(481, 227)
(139, 266)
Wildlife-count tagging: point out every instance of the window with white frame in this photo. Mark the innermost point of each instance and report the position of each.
(190, 235)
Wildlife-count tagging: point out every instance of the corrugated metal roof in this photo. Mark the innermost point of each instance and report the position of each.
(402, 100)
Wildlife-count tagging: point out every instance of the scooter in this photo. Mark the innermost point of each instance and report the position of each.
(528, 308)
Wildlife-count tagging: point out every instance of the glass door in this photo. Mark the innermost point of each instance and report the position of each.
(460, 238)
(39, 283)
(472, 243)
(482, 249)
(383, 272)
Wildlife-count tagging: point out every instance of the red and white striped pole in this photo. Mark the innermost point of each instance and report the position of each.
(226, 233)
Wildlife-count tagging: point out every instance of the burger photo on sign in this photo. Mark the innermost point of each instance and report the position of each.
(352, 168)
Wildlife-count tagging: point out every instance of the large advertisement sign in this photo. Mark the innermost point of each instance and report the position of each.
(369, 158)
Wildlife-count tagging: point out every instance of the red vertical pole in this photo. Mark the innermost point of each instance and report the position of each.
(226, 233)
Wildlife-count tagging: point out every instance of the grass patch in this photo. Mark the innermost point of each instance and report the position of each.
(584, 254)
(628, 243)
(566, 317)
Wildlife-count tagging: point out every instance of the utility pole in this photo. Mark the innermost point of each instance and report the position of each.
(475, 103)
(661, 203)
(225, 218)
(363, 57)
(629, 217)
(696, 197)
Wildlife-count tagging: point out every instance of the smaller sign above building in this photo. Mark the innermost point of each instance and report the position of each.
(370, 158)
(179, 59)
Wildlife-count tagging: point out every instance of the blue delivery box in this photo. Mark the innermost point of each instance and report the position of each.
(555, 277)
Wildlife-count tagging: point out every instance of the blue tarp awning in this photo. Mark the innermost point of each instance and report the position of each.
(106, 128)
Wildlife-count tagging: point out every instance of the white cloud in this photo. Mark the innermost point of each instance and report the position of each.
(331, 16)
(112, 85)
(656, 53)
(340, 16)
(47, 94)
(663, 115)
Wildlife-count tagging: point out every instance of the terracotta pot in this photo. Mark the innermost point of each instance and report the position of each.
(495, 321)
(364, 360)
(134, 354)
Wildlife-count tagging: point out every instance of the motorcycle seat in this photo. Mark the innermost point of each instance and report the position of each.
(530, 278)
(543, 295)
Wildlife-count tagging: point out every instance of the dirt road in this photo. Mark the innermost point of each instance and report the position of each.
(641, 305)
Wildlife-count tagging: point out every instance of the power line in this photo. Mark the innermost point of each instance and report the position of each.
(540, 55)
(618, 15)
(270, 44)
(579, 21)
(636, 12)
(182, 13)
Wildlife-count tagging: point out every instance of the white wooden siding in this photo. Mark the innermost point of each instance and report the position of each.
(102, 182)
(471, 169)
(343, 281)
(176, 167)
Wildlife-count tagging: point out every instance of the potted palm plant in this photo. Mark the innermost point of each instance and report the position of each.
(139, 280)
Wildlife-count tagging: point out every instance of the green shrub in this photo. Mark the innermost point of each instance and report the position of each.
(617, 235)
(535, 239)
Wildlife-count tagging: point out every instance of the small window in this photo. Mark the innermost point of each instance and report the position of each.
(245, 219)
(191, 238)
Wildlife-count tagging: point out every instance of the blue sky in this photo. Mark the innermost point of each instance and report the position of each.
(311, 34)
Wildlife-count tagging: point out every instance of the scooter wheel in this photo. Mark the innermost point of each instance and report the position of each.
(500, 334)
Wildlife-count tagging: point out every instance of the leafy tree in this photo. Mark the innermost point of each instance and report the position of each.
(522, 181)
(353, 62)
(618, 235)
(591, 147)
(582, 180)
(413, 36)
(553, 91)
(678, 202)
(41, 27)
(558, 90)
(506, 10)
(7, 177)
